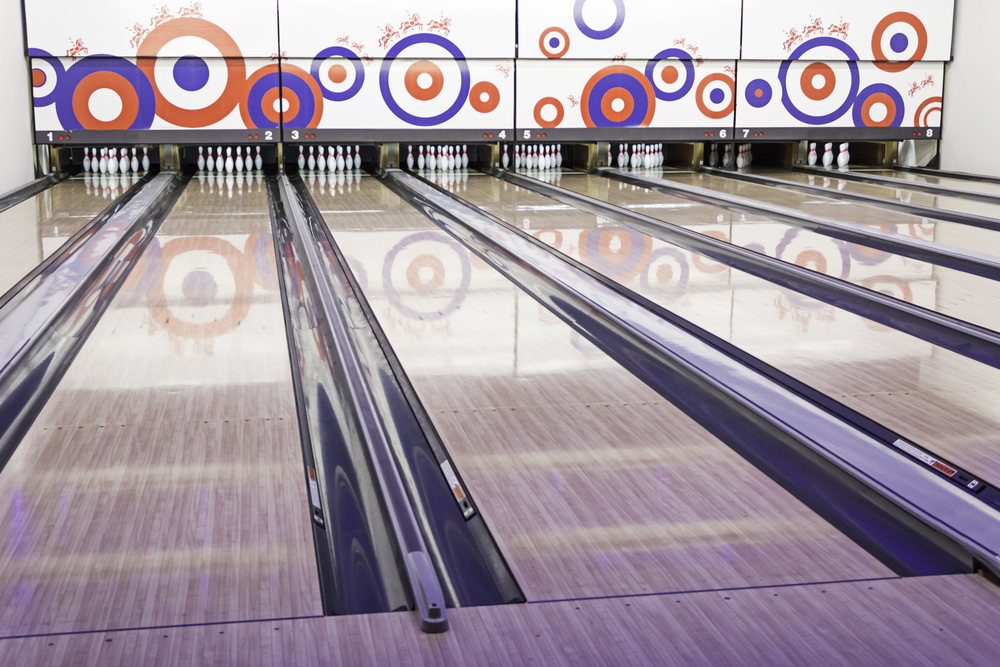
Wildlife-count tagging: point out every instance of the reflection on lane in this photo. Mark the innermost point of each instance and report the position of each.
(940, 399)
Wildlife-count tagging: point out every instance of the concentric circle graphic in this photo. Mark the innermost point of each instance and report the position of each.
(426, 273)
(616, 89)
(905, 37)
(553, 42)
(338, 82)
(758, 93)
(926, 108)
(172, 104)
(484, 97)
(671, 274)
(721, 96)
(823, 72)
(620, 254)
(424, 70)
(464, 83)
(610, 31)
(879, 96)
(663, 66)
(555, 104)
(821, 254)
(46, 73)
(293, 89)
(848, 92)
(122, 78)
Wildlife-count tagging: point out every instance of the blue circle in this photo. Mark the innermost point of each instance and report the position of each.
(640, 102)
(599, 34)
(459, 295)
(554, 42)
(191, 73)
(879, 88)
(463, 66)
(88, 65)
(852, 64)
(765, 93)
(59, 70)
(899, 42)
(685, 59)
(359, 72)
(307, 101)
(255, 98)
(717, 95)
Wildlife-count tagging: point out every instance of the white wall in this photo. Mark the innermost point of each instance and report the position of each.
(971, 96)
(16, 166)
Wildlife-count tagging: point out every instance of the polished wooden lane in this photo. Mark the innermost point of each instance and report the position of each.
(961, 184)
(929, 621)
(934, 397)
(590, 482)
(162, 483)
(36, 227)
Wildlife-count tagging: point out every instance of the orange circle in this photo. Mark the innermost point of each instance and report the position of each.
(624, 248)
(710, 266)
(38, 78)
(876, 98)
(112, 81)
(812, 71)
(920, 118)
(286, 70)
(476, 94)
(617, 94)
(337, 74)
(270, 97)
(544, 102)
(414, 89)
(664, 273)
(236, 76)
(669, 74)
(918, 27)
(541, 43)
(758, 93)
(413, 278)
(811, 257)
(627, 71)
(708, 113)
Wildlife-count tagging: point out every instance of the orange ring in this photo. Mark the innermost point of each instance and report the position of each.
(236, 76)
(812, 71)
(271, 96)
(627, 71)
(541, 42)
(875, 98)
(714, 267)
(476, 94)
(708, 113)
(609, 98)
(919, 119)
(97, 81)
(544, 102)
(918, 27)
(414, 89)
(422, 262)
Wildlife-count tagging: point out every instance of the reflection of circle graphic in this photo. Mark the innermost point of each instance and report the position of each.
(358, 269)
(484, 89)
(146, 272)
(415, 266)
(669, 74)
(599, 34)
(556, 104)
(261, 248)
(878, 93)
(459, 59)
(801, 50)
(758, 93)
(553, 42)
(618, 82)
(617, 253)
(669, 277)
(196, 288)
(807, 81)
(51, 70)
(724, 89)
(293, 86)
(898, 289)
(92, 73)
(332, 58)
(866, 255)
(707, 264)
(557, 237)
(236, 73)
(810, 253)
(898, 42)
(926, 108)
(417, 73)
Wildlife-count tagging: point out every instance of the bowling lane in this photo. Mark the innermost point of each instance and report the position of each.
(36, 227)
(947, 291)
(591, 483)
(162, 483)
(937, 398)
(981, 187)
(885, 192)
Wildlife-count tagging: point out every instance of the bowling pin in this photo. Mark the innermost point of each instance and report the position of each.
(348, 160)
(134, 162)
(828, 155)
(302, 158)
(610, 164)
(321, 159)
(465, 156)
(431, 162)
(145, 158)
(727, 156)
(357, 157)
(420, 157)
(452, 162)
(558, 155)
(201, 158)
(621, 156)
(341, 162)
(123, 161)
(258, 162)
(812, 154)
(647, 161)
(844, 157)
(112, 161)
(409, 157)
(311, 161)
(210, 163)
(239, 161)
(713, 157)
(86, 162)
(740, 160)
(505, 160)
(229, 162)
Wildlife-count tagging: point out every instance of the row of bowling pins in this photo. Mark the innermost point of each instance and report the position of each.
(317, 159)
(109, 162)
(336, 181)
(228, 164)
(445, 158)
(646, 156)
(230, 181)
(744, 156)
(843, 158)
(533, 156)
(109, 185)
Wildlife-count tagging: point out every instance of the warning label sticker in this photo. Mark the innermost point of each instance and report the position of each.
(452, 478)
(925, 457)
(314, 489)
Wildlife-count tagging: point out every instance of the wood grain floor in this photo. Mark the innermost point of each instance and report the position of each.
(590, 482)
(928, 621)
(162, 483)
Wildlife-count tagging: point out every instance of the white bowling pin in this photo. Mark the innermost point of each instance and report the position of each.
(504, 160)
(812, 154)
(321, 159)
(134, 162)
(454, 163)
(348, 160)
(311, 160)
(740, 160)
(258, 161)
(357, 157)
(229, 161)
(465, 156)
(727, 156)
(86, 162)
(844, 157)
(558, 155)
(201, 158)
(647, 160)
(302, 158)
(713, 157)
(123, 161)
(341, 163)
(112, 161)
(420, 157)
(239, 160)
(145, 158)
(828, 155)
(210, 164)
(409, 157)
